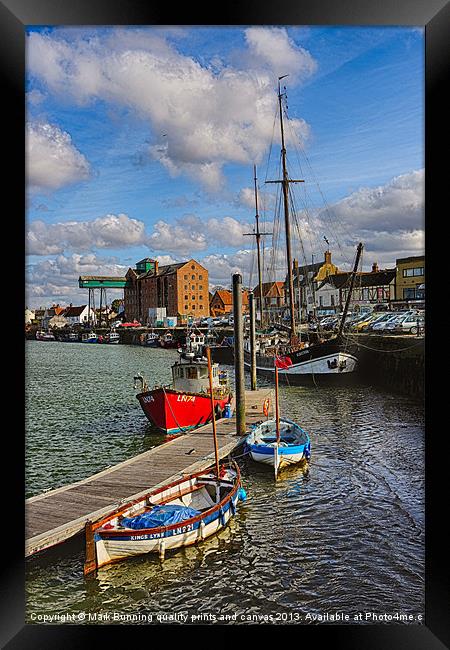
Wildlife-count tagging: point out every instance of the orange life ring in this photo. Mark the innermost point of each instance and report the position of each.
(266, 405)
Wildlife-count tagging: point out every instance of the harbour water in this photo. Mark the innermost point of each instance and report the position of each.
(341, 537)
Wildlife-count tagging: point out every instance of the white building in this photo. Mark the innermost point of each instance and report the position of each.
(78, 315)
(29, 316)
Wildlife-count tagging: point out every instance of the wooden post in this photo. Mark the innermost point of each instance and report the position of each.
(239, 381)
(277, 423)
(211, 391)
(251, 302)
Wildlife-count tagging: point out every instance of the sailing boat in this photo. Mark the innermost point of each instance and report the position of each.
(298, 361)
(279, 441)
(179, 514)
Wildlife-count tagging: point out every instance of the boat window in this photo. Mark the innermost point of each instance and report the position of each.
(203, 372)
(191, 373)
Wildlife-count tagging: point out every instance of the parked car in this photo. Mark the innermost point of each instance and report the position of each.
(411, 324)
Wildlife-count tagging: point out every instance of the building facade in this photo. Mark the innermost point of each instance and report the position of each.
(181, 288)
(410, 280)
(221, 302)
(369, 288)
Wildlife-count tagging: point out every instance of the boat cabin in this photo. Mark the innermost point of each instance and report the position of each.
(192, 377)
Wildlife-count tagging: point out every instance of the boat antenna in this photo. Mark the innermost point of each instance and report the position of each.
(258, 236)
(285, 185)
(216, 449)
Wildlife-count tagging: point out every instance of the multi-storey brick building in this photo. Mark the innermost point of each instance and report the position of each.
(181, 288)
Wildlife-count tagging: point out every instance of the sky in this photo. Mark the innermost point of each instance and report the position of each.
(141, 142)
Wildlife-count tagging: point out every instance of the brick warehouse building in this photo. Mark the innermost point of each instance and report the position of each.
(181, 288)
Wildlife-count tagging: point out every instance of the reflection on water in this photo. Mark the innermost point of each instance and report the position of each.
(344, 533)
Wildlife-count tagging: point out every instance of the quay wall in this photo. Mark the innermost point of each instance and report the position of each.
(396, 363)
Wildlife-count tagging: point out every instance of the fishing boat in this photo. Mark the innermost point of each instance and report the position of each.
(300, 361)
(42, 335)
(279, 441)
(182, 513)
(167, 340)
(112, 337)
(89, 337)
(152, 340)
(185, 404)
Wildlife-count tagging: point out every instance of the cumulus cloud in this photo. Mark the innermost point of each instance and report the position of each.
(56, 280)
(52, 161)
(190, 233)
(109, 231)
(211, 115)
(398, 205)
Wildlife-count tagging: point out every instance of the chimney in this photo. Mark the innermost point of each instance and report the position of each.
(327, 257)
(156, 267)
(374, 267)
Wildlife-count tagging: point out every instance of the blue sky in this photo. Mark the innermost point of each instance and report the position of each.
(141, 142)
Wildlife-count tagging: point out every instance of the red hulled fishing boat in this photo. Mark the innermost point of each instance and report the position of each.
(185, 404)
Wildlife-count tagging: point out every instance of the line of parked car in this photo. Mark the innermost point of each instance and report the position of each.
(389, 322)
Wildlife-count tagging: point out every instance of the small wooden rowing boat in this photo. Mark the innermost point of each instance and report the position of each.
(279, 441)
(182, 513)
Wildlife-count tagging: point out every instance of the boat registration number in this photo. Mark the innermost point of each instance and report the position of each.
(185, 398)
(148, 398)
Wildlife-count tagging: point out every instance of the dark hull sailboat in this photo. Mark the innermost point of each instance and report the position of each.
(328, 361)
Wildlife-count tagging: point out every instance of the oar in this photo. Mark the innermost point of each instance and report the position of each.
(277, 424)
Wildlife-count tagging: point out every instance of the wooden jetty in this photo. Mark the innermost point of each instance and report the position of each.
(57, 515)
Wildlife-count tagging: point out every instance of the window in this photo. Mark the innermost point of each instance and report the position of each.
(186, 298)
(409, 294)
(201, 307)
(200, 297)
(185, 277)
(193, 267)
(193, 287)
(192, 297)
(332, 300)
(200, 277)
(191, 373)
(409, 273)
(193, 276)
(186, 307)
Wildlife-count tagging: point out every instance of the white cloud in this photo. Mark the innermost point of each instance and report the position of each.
(109, 231)
(56, 280)
(52, 161)
(211, 115)
(190, 233)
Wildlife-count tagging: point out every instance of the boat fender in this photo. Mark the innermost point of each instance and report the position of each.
(242, 494)
(308, 452)
(222, 517)
(266, 406)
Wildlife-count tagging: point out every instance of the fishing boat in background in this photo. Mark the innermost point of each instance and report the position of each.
(182, 513)
(152, 340)
(167, 340)
(279, 441)
(112, 337)
(185, 404)
(42, 335)
(89, 337)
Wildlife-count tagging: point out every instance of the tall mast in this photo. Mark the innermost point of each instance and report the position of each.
(352, 280)
(285, 184)
(258, 236)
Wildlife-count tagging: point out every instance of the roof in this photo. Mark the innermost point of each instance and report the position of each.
(419, 258)
(71, 312)
(225, 295)
(365, 279)
(270, 289)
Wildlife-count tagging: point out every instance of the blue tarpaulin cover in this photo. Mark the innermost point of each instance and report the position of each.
(160, 516)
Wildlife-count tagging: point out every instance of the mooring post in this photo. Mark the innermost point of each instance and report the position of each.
(251, 304)
(239, 382)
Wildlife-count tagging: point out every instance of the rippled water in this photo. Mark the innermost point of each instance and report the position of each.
(345, 534)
